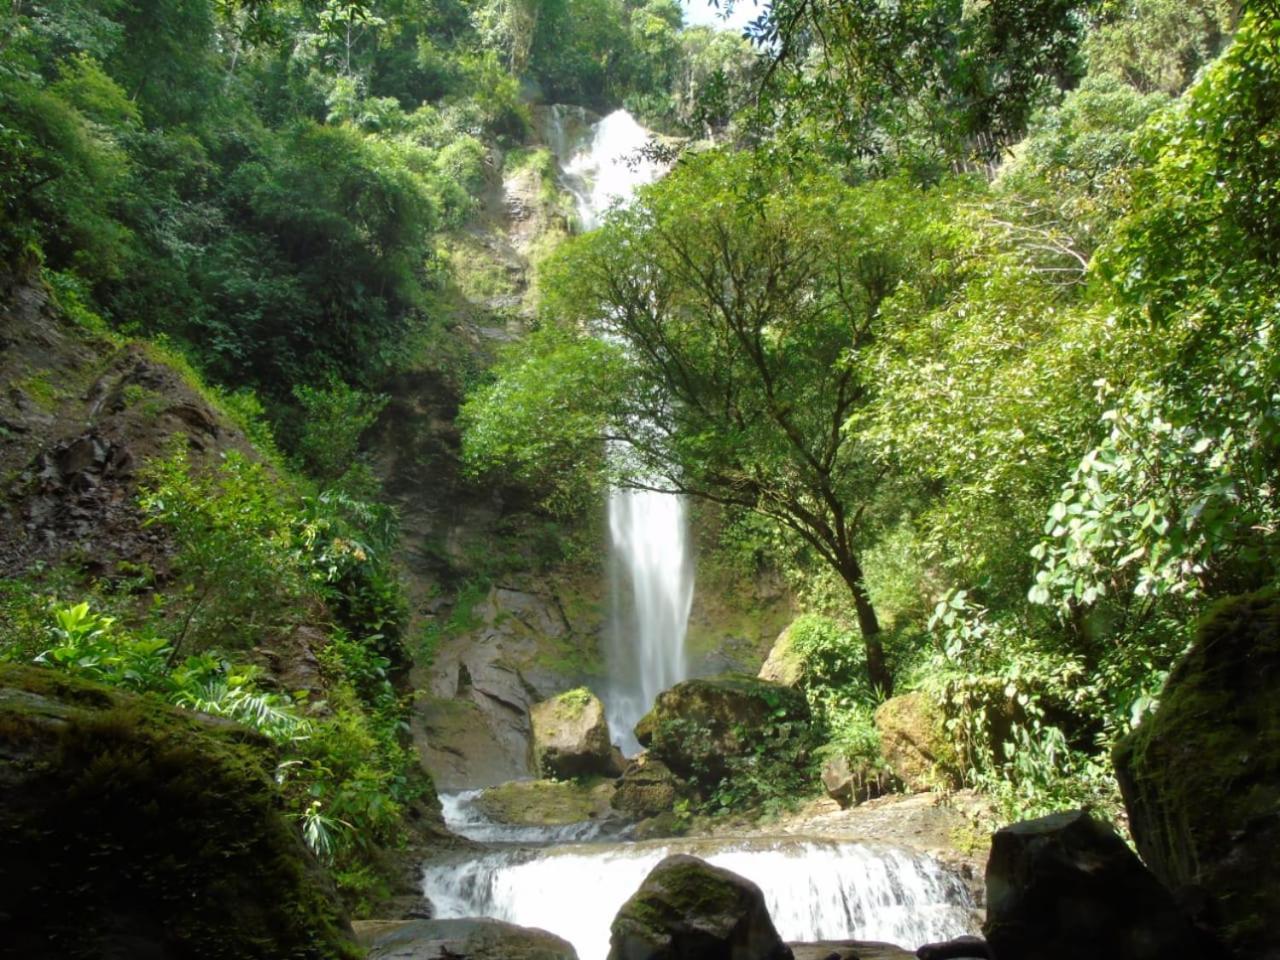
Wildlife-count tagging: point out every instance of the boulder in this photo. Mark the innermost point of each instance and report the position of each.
(571, 736)
(686, 909)
(784, 664)
(134, 829)
(849, 783)
(1065, 886)
(699, 724)
(547, 803)
(647, 788)
(914, 744)
(848, 950)
(1201, 777)
(469, 939)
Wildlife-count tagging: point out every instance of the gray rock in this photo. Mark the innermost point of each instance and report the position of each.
(571, 736)
(469, 939)
(686, 909)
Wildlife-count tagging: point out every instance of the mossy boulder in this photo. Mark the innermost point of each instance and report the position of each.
(686, 909)
(547, 803)
(647, 788)
(133, 829)
(571, 736)
(785, 665)
(1066, 886)
(914, 744)
(698, 726)
(1201, 777)
(469, 939)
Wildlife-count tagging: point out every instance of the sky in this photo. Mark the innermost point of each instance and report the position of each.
(701, 12)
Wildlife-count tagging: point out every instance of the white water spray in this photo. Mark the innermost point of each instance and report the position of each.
(814, 890)
(651, 570)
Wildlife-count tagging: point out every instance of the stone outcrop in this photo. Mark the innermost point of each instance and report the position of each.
(547, 803)
(1201, 777)
(697, 725)
(647, 788)
(914, 744)
(133, 829)
(571, 736)
(686, 909)
(784, 664)
(79, 415)
(469, 939)
(1066, 886)
(850, 783)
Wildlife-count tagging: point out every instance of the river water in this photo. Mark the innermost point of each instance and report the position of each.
(815, 889)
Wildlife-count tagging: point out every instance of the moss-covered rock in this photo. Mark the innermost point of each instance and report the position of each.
(914, 744)
(547, 803)
(133, 829)
(1201, 778)
(571, 736)
(686, 909)
(647, 788)
(469, 939)
(698, 726)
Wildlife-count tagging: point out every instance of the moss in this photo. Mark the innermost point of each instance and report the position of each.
(161, 828)
(571, 703)
(547, 802)
(38, 387)
(1201, 777)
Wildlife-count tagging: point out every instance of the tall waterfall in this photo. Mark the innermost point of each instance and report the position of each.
(814, 889)
(651, 569)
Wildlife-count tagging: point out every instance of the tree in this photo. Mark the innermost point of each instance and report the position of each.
(735, 305)
(927, 84)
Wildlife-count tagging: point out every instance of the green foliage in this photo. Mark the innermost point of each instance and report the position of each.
(237, 569)
(915, 86)
(333, 419)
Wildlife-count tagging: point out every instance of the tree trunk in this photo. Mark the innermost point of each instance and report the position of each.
(877, 668)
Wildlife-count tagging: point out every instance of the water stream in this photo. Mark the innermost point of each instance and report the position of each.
(651, 569)
(815, 889)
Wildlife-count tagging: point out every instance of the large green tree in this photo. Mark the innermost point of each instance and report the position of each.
(731, 307)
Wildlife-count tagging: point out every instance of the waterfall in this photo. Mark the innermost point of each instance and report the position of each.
(651, 570)
(814, 889)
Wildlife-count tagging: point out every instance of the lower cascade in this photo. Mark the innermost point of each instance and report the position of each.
(815, 889)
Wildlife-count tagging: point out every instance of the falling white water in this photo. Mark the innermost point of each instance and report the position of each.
(651, 590)
(814, 890)
(651, 570)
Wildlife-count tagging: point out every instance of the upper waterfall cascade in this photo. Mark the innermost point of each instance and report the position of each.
(651, 566)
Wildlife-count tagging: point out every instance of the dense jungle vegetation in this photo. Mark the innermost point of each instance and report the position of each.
(963, 312)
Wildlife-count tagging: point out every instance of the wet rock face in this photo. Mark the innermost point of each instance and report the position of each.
(913, 742)
(1201, 777)
(571, 736)
(850, 783)
(696, 725)
(686, 909)
(469, 940)
(647, 788)
(133, 829)
(1065, 887)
